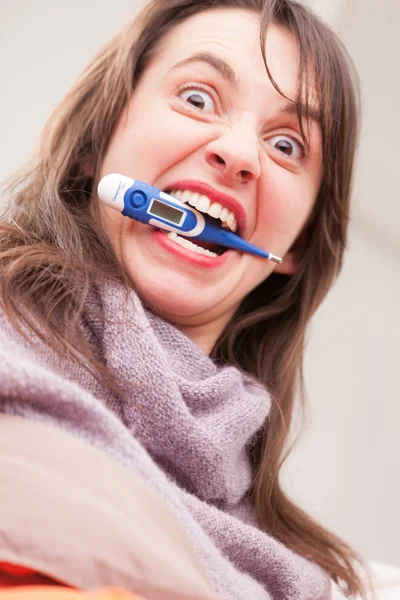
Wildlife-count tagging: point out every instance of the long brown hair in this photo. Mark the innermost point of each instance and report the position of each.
(52, 249)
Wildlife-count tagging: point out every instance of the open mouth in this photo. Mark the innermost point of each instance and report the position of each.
(213, 210)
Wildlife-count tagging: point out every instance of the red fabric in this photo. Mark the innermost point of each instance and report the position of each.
(23, 583)
(61, 593)
(12, 575)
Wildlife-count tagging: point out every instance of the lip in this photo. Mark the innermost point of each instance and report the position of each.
(225, 200)
(191, 257)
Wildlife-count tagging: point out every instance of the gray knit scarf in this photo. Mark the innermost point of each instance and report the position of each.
(186, 430)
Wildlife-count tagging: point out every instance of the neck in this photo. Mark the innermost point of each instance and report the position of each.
(205, 335)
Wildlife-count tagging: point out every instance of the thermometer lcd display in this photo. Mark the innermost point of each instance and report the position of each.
(166, 212)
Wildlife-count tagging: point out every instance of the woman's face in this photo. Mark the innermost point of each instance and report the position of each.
(205, 119)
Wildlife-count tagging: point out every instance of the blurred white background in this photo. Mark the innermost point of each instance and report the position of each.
(346, 469)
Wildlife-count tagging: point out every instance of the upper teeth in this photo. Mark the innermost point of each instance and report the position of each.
(203, 204)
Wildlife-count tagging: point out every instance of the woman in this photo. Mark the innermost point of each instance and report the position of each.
(145, 348)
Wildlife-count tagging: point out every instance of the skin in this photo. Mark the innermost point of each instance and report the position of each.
(238, 141)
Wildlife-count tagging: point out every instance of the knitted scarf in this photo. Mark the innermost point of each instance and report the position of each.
(185, 425)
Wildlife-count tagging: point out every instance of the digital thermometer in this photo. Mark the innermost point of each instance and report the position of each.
(151, 206)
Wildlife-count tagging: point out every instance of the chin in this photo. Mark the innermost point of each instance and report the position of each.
(174, 303)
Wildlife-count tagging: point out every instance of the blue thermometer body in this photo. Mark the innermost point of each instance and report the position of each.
(149, 205)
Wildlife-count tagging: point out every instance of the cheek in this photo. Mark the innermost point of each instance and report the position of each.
(114, 224)
(285, 203)
(151, 141)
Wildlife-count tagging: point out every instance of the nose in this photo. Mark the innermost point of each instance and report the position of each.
(235, 154)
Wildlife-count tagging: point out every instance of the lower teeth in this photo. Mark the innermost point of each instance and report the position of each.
(189, 245)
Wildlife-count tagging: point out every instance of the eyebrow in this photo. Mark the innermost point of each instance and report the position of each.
(291, 108)
(226, 71)
(218, 64)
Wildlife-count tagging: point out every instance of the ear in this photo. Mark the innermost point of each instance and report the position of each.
(292, 258)
(88, 168)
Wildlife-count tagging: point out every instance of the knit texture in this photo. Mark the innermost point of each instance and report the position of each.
(185, 426)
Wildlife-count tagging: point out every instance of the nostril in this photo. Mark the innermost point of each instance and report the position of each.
(245, 175)
(229, 168)
(216, 161)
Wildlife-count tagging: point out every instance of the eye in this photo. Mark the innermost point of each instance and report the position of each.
(287, 145)
(199, 99)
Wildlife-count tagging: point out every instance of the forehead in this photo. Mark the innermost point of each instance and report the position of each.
(232, 34)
